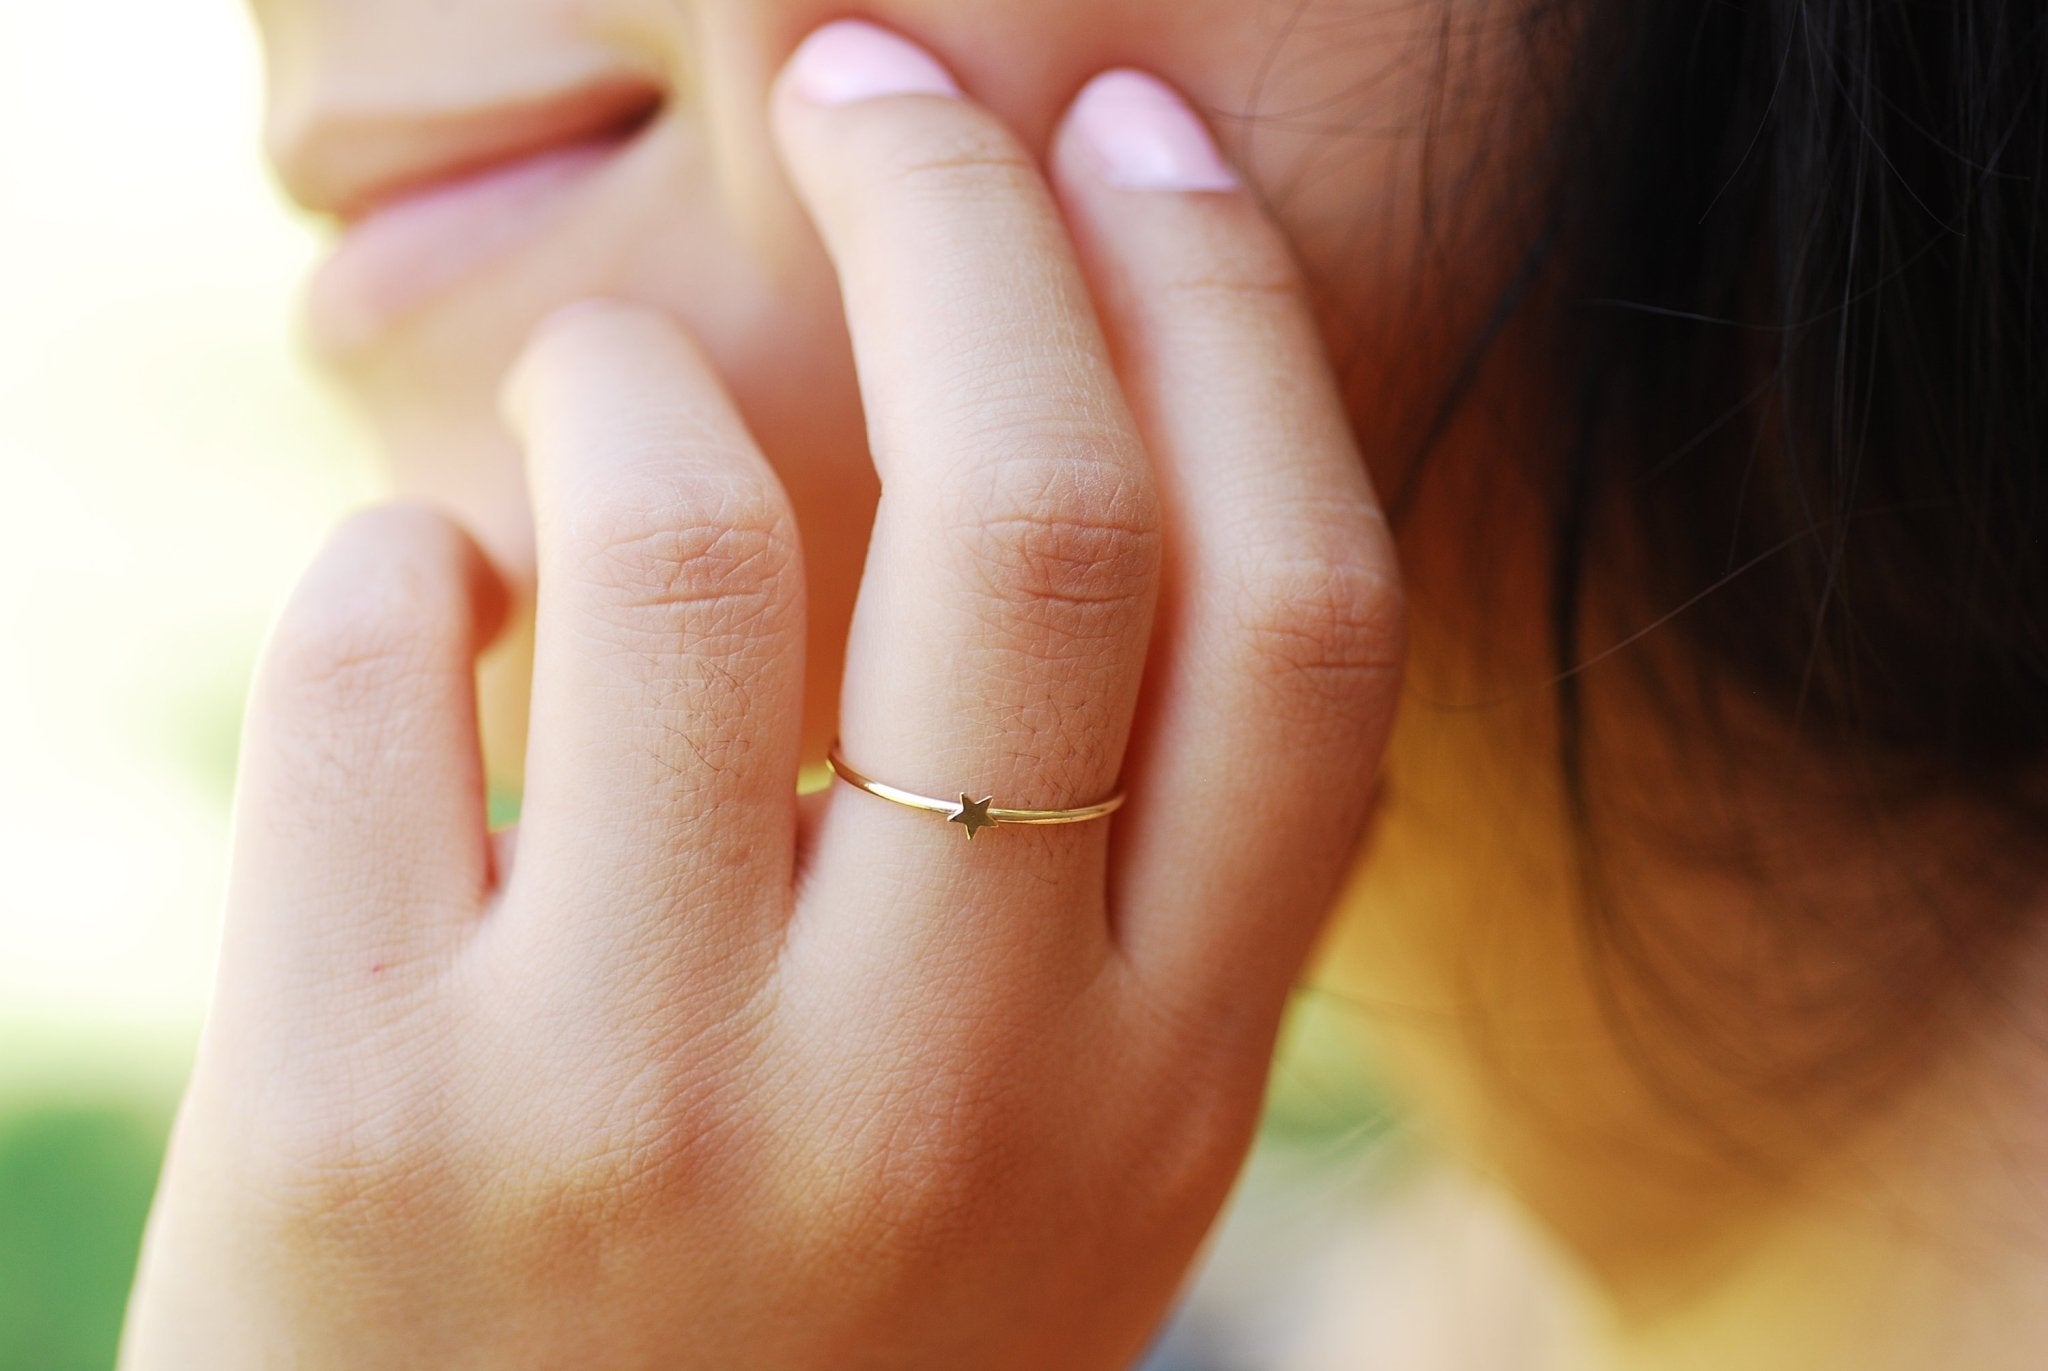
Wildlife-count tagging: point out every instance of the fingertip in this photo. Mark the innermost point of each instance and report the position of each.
(516, 389)
(818, 99)
(1131, 130)
(416, 544)
(850, 60)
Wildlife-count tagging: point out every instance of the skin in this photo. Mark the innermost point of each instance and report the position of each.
(820, 1084)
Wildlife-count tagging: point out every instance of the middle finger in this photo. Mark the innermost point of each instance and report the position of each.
(1002, 622)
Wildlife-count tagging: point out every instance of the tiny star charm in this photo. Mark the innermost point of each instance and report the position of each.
(973, 815)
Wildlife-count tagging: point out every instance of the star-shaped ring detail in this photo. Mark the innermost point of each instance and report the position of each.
(971, 814)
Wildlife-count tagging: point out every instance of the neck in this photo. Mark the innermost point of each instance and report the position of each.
(1921, 1243)
(1800, 1119)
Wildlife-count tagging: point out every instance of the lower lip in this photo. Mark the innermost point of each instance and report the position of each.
(407, 250)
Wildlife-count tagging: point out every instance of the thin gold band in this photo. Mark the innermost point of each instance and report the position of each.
(973, 815)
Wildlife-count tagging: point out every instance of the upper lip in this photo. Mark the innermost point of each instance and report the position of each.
(344, 160)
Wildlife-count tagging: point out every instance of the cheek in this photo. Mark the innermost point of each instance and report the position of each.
(1391, 156)
(752, 288)
(699, 221)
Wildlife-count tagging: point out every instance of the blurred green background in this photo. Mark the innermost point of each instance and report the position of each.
(169, 465)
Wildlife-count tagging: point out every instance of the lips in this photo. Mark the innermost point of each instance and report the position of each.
(425, 202)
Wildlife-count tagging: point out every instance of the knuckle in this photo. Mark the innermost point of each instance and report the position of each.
(1323, 633)
(343, 1191)
(949, 155)
(925, 1167)
(382, 607)
(1067, 545)
(718, 556)
(337, 1165)
(1248, 279)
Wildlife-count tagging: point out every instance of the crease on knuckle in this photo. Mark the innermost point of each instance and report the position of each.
(1323, 633)
(398, 620)
(716, 557)
(1067, 546)
(952, 159)
(1255, 284)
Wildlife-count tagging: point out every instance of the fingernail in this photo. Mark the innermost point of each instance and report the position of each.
(850, 60)
(1142, 136)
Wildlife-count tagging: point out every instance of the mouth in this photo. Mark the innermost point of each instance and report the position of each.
(453, 200)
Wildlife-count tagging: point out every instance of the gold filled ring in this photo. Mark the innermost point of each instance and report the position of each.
(971, 814)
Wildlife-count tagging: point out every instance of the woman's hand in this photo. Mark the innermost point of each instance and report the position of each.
(695, 1078)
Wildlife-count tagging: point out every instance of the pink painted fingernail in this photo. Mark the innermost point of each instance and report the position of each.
(1142, 136)
(850, 60)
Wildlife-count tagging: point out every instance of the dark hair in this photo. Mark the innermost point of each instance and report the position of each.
(1798, 253)
(1809, 251)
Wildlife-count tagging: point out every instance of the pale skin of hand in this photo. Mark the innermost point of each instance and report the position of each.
(693, 1074)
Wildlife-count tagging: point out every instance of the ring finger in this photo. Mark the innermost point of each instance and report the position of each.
(1000, 635)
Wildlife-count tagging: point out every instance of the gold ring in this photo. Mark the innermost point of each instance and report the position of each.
(972, 815)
